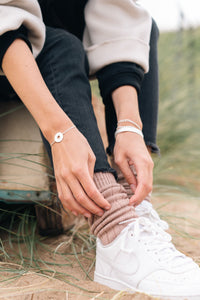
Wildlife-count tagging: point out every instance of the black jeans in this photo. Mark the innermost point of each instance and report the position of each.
(64, 67)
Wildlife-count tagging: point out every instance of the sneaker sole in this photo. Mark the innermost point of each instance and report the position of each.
(120, 286)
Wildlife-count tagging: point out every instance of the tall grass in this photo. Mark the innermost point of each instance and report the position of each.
(179, 112)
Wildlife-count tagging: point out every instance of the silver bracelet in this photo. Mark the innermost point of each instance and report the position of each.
(59, 135)
(129, 121)
(121, 129)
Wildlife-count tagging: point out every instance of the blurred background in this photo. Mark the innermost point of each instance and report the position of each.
(179, 110)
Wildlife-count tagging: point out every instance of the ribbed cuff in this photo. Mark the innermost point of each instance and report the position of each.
(119, 74)
(103, 179)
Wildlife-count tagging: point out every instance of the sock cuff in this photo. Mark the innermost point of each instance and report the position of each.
(102, 179)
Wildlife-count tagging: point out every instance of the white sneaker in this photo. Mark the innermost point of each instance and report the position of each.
(143, 259)
(145, 209)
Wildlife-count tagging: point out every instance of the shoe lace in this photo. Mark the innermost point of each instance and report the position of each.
(156, 241)
(145, 209)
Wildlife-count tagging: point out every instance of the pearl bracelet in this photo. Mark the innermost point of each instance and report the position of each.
(121, 129)
(59, 135)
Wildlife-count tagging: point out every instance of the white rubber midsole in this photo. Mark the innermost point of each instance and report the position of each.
(120, 286)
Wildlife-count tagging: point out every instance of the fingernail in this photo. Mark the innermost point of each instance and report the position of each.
(108, 207)
(100, 214)
(74, 213)
(87, 215)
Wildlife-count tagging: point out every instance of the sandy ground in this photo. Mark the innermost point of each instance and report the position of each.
(30, 285)
(182, 213)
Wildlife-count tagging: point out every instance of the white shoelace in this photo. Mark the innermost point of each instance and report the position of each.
(156, 241)
(146, 209)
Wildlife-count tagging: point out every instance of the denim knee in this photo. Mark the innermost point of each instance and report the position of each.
(69, 47)
(62, 48)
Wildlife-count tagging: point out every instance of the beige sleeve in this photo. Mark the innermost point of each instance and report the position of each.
(116, 30)
(14, 13)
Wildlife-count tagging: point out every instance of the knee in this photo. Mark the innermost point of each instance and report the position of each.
(65, 46)
(70, 44)
(71, 48)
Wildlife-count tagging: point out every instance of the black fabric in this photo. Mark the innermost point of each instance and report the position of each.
(69, 15)
(9, 37)
(118, 74)
(66, 14)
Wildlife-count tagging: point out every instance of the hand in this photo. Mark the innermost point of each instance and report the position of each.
(130, 149)
(74, 162)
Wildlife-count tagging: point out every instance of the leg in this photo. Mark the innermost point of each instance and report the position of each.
(64, 67)
(149, 96)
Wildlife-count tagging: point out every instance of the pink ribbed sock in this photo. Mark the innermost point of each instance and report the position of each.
(107, 227)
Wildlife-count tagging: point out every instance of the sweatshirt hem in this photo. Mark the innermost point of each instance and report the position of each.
(128, 50)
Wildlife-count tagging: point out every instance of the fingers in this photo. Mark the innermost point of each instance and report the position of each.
(131, 150)
(69, 202)
(144, 183)
(83, 199)
(127, 172)
(91, 164)
(79, 194)
(91, 190)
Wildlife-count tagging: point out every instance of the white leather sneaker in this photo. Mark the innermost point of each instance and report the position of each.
(145, 209)
(143, 259)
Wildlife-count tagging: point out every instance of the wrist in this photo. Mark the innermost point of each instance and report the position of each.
(128, 122)
(132, 120)
(125, 101)
(124, 129)
(50, 129)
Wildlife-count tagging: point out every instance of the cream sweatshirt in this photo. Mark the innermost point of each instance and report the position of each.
(116, 30)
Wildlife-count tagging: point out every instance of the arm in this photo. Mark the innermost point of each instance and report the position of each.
(130, 147)
(118, 49)
(73, 170)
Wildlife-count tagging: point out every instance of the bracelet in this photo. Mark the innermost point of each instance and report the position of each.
(121, 129)
(59, 135)
(129, 121)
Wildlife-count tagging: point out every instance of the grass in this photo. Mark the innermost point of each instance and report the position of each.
(179, 121)
(177, 173)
